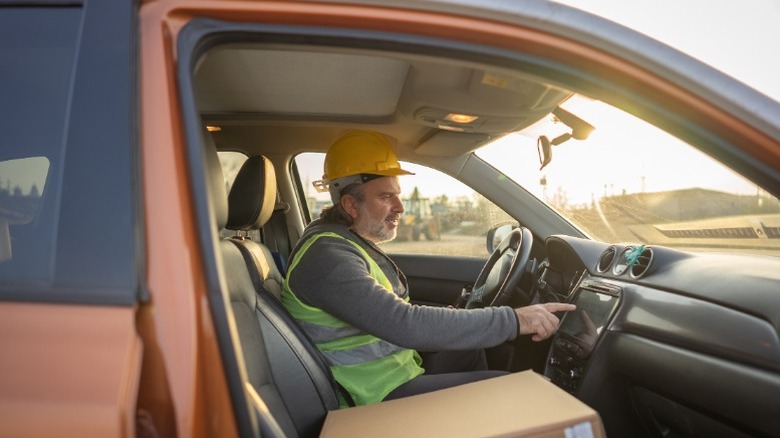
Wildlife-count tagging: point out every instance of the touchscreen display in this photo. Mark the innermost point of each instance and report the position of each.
(590, 318)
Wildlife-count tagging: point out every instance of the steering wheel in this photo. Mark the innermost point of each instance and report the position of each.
(501, 274)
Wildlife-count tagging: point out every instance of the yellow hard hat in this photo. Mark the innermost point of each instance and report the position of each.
(361, 152)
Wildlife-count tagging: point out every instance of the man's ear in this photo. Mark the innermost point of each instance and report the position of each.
(350, 204)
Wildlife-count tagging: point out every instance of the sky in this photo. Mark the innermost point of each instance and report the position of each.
(740, 38)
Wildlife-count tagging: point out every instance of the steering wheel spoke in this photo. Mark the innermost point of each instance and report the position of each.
(477, 294)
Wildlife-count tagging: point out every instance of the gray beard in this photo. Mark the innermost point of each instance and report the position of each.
(376, 233)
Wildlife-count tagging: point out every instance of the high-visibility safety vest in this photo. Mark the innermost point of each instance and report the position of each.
(369, 368)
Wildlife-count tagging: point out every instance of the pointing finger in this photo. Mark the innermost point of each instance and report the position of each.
(559, 307)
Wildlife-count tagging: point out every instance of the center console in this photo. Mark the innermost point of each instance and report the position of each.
(579, 331)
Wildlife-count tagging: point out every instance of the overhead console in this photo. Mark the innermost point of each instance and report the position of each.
(580, 331)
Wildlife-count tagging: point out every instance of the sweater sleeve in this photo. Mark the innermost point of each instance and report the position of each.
(333, 276)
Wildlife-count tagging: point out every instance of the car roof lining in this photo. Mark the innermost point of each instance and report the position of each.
(284, 94)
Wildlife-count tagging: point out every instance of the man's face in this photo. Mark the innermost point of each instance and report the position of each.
(376, 218)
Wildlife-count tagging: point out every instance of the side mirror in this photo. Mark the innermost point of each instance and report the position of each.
(496, 234)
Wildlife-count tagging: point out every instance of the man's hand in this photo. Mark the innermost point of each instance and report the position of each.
(538, 320)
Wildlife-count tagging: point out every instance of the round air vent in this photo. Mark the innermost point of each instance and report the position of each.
(623, 260)
(606, 258)
(642, 263)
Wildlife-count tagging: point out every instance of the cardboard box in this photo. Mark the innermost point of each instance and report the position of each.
(522, 404)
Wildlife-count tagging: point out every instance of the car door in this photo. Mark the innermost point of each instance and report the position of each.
(616, 73)
(70, 244)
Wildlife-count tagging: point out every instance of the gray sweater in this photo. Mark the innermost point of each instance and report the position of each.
(333, 276)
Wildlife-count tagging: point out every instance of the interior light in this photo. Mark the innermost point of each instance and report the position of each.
(213, 128)
(460, 118)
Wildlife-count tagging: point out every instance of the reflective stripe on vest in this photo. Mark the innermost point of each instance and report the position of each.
(368, 367)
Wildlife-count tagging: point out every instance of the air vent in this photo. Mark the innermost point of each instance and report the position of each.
(606, 258)
(712, 233)
(598, 286)
(642, 264)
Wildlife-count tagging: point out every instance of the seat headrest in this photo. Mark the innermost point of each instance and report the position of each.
(253, 195)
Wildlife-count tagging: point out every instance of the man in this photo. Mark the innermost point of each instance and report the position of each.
(353, 301)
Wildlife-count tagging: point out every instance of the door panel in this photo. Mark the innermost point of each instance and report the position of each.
(68, 370)
(437, 280)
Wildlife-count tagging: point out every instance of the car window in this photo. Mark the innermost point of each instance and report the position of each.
(442, 215)
(231, 163)
(37, 48)
(632, 182)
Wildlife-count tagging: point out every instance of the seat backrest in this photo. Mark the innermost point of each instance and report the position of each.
(283, 365)
(250, 205)
(280, 366)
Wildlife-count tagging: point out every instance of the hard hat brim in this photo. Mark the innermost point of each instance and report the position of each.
(395, 171)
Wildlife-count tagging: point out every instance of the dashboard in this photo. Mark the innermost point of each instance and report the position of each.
(666, 340)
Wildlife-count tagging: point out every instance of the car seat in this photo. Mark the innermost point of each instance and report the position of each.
(250, 205)
(282, 366)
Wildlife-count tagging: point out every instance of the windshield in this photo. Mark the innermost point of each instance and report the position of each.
(631, 182)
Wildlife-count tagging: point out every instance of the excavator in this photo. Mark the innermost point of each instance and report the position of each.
(418, 219)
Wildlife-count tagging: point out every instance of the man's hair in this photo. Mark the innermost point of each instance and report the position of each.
(336, 213)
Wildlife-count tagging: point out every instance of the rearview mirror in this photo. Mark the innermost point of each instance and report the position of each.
(580, 130)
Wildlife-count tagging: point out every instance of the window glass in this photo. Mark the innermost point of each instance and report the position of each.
(231, 163)
(37, 48)
(632, 182)
(442, 215)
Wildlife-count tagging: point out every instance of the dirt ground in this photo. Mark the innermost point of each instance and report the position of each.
(449, 244)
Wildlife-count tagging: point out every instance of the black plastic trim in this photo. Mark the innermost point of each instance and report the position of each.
(143, 293)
